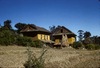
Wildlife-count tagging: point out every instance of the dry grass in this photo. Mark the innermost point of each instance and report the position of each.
(15, 57)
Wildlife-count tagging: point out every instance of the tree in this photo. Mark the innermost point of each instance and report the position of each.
(80, 32)
(87, 39)
(52, 28)
(0, 25)
(95, 40)
(7, 24)
(20, 26)
(87, 34)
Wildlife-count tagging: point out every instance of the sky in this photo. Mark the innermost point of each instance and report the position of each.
(73, 14)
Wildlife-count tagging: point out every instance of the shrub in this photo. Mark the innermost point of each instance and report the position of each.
(97, 47)
(90, 46)
(77, 45)
(34, 62)
(7, 37)
(27, 41)
(24, 41)
(38, 43)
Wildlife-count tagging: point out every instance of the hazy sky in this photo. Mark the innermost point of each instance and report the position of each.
(73, 14)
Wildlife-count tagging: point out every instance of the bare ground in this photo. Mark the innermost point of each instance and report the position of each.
(15, 57)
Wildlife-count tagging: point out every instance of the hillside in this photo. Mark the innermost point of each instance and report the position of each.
(15, 56)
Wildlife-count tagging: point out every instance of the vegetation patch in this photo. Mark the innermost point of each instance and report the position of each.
(33, 61)
(77, 45)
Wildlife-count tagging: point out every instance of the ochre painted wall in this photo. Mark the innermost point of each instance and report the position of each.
(71, 40)
(39, 36)
(48, 37)
(43, 37)
(57, 41)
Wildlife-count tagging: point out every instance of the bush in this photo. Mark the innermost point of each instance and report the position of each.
(38, 43)
(34, 62)
(24, 41)
(90, 46)
(7, 37)
(97, 47)
(77, 45)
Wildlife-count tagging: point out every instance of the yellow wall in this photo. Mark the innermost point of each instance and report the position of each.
(71, 40)
(43, 37)
(39, 36)
(48, 37)
(57, 41)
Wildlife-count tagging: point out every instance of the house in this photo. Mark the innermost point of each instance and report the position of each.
(36, 33)
(63, 36)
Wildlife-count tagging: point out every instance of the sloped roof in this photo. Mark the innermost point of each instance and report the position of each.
(57, 31)
(32, 27)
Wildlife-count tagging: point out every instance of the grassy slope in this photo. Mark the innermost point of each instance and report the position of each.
(15, 56)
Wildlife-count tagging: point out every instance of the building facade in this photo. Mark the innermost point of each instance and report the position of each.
(63, 36)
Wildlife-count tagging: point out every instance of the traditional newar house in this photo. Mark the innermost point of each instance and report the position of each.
(63, 36)
(36, 33)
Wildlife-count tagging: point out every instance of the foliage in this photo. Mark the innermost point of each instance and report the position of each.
(24, 41)
(97, 46)
(38, 43)
(19, 26)
(90, 46)
(52, 28)
(77, 45)
(7, 37)
(87, 34)
(27, 41)
(33, 61)
(87, 41)
(95, 40)
(80, 34)
(7, 24)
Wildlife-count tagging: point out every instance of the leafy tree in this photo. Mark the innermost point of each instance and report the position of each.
(87, 39)
(52, 28)
(20, 26)
(95, 40)
(7, 24)
(0, 25)
(80, 32)
(87, 34)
